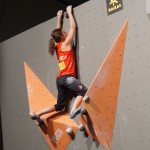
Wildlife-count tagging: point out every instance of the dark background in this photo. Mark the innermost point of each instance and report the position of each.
(17, 16)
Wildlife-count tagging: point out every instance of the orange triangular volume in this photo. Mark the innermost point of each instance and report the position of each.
(103, 92)
(55, 124)
(38, 95)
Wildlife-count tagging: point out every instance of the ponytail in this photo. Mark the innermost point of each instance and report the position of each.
(56, 38)
(52, 47)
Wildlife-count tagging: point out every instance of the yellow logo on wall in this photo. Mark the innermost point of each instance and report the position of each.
(114, 6)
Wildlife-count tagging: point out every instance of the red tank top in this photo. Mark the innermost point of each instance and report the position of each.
(66, 61)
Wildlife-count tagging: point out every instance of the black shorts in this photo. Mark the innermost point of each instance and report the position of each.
(65, 83)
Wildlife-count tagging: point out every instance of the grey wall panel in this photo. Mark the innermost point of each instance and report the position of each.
(1, 136)
(148, 6)
(96, 33)
(132, 121)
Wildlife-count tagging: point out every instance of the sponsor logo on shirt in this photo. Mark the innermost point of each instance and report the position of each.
(61, 58)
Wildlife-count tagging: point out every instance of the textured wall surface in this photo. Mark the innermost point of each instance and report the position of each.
(96, 33)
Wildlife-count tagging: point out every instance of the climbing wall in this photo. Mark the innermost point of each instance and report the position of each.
(55, 124)
(96, 34)
(103, 94)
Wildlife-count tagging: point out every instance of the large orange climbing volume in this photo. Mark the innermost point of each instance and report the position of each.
(103, 94)
(55, 124)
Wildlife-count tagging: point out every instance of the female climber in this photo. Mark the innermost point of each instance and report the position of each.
(61, 43)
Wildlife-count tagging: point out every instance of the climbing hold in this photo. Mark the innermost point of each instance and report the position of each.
(85, 98)
(69, 131)
(81, 127)
(66, 15)
(83, 111)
